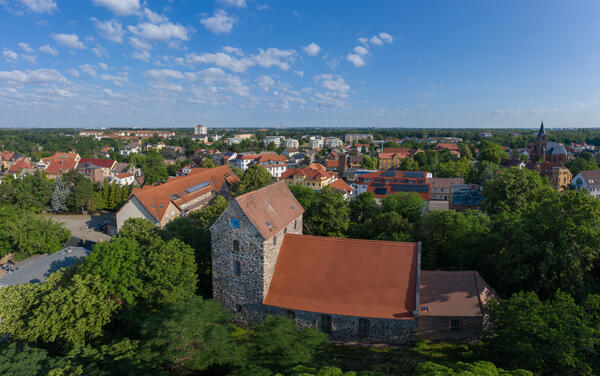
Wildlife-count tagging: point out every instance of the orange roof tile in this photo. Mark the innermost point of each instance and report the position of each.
(448, 293)
(59, 166)
(332, 164)
(270, 208)
(124, 175)
(105, 163)
(271, 157)
(23, 163)
(156, 198)
(341, 185)
(449, 146)
(351, 277)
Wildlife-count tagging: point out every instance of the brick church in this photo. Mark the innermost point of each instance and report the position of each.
(354, 290)
(547, 151)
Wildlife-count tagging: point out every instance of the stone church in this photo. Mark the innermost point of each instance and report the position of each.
(547, 151)
(355, 290)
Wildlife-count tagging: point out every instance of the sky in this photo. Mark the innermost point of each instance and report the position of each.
(236, 63)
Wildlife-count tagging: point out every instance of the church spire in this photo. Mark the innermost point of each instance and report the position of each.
(542, 131)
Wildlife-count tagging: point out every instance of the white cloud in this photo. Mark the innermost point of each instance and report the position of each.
(159, 33)
(335, 84)
(88, 69)
(275, 57)
(222, 60)
(265, 82)
(10, 55)
(233, 50)
(139, 44)
(40, 6)
(312, 49)
(73, 72)
(99, 51)
(49, 50)
(154, 17)
(39, 76)
(219, 23)
(120, 7)
(299, 73)
(103, 66)
(216, 79)
(117, 80)
(26, 47)
(111, 29)
(233, 3)
(376, 41)
(361, 50)
(161, 74)
(355, 59)
(364, 41)
(28, 58)
(143, 55)
(263, 7)
(69, 40)
(388, 38)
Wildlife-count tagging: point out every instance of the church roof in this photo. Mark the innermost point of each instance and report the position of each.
(542, 131)
(555, 148)
(270, 208)
(350, 277)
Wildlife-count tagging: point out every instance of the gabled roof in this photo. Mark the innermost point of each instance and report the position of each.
(121, 167)
(270, 208)
(271, 157)
(449, 146)
(332, 163)
(104, 163)
(181, 189)
(58, 166)
(555, 148)
(315, 171)
(341, 185)
(23, 163)
(351, 277)
(6, 155)
(591, 177)
(445, 182)
(58, 155)
(445, 293)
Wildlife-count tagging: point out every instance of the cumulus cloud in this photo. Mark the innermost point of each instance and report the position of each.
(40, 6)
(375, 41)
(99, 51)
(275, 57)
(73, 72)
(265, 82)
(139, 44)
(103, 66)
(117, 80)
(154, 17)
(299, 73)
(28, 58)
(264, 58)
(361, 50)
(161, 74)
(216, 79)
(336, 90)
(386, 37)
(10, 55)
(219, 23)
(26, 47)
(32, 77)
(111, 29)
(49, 50)
(233, 50)
(69, 40)
(159, 33)
(355, 59)
(363, 40)
(88, 69)
(143, 55)
(120, 7)
(233, 3)
(312, 49)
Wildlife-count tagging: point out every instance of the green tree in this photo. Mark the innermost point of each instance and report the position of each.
(23, 360)
(363, 207)
(141, 230)
(60, 193)
(369, 163)
(409, 164)
(515, 190)
(32, 192)
(304, 195)
(256, 176)
(193, 335)
(278, 345)
(409, 205)
(328, 214)
(584, 161)
(466, 369)
(550, 338)
(82, 194)
(208, 163)
(491, 152)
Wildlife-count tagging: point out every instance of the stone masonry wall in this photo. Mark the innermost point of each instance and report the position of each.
(345, 328)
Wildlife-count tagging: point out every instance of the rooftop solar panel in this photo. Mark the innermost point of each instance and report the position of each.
(409, 188)
(414, 174)
(196, 187)
(389, 173)
(380, 191)
(378, 184)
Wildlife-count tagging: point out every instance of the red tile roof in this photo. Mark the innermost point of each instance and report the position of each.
(315, 171)
(351, 277)
(59, 166)
(270, 208)
(332, 164)
(105, 163)
(6, 155)
(23, 163)
(123, 175)
(156, 198)
(270, 157)
(449, 146)
(341, 185)
(444, 293)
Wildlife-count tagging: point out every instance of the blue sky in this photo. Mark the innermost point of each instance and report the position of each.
(89, 63)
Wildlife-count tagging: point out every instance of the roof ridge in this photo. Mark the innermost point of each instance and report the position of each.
(333, 238)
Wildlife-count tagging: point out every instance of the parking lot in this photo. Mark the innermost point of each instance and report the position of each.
(84, 227)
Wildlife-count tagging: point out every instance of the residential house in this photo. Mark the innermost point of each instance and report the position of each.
(315, 176)
(243, 161)
(129, 149)
(276, 140)
(451, 147)
(316, 144)
(105, 165)
(21, 168)
(290, 143)
(466, 196)
(333, 142)
(122, 179)
(560, 178)
(339, 185)
(392, 157)
(161, 203)
(9, 158)
(588, 180)
(275, 164)
(441, 187)
(385, 182)
(58, 164)
(355, 161)
(367, 291)
(352, 138)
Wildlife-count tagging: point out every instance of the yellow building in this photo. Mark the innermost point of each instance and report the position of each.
(314, 176)
(561, 177)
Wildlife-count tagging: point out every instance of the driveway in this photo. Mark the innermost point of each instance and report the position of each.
(82, 227)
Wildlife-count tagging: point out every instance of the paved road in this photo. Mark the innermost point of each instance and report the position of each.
(81, 226)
